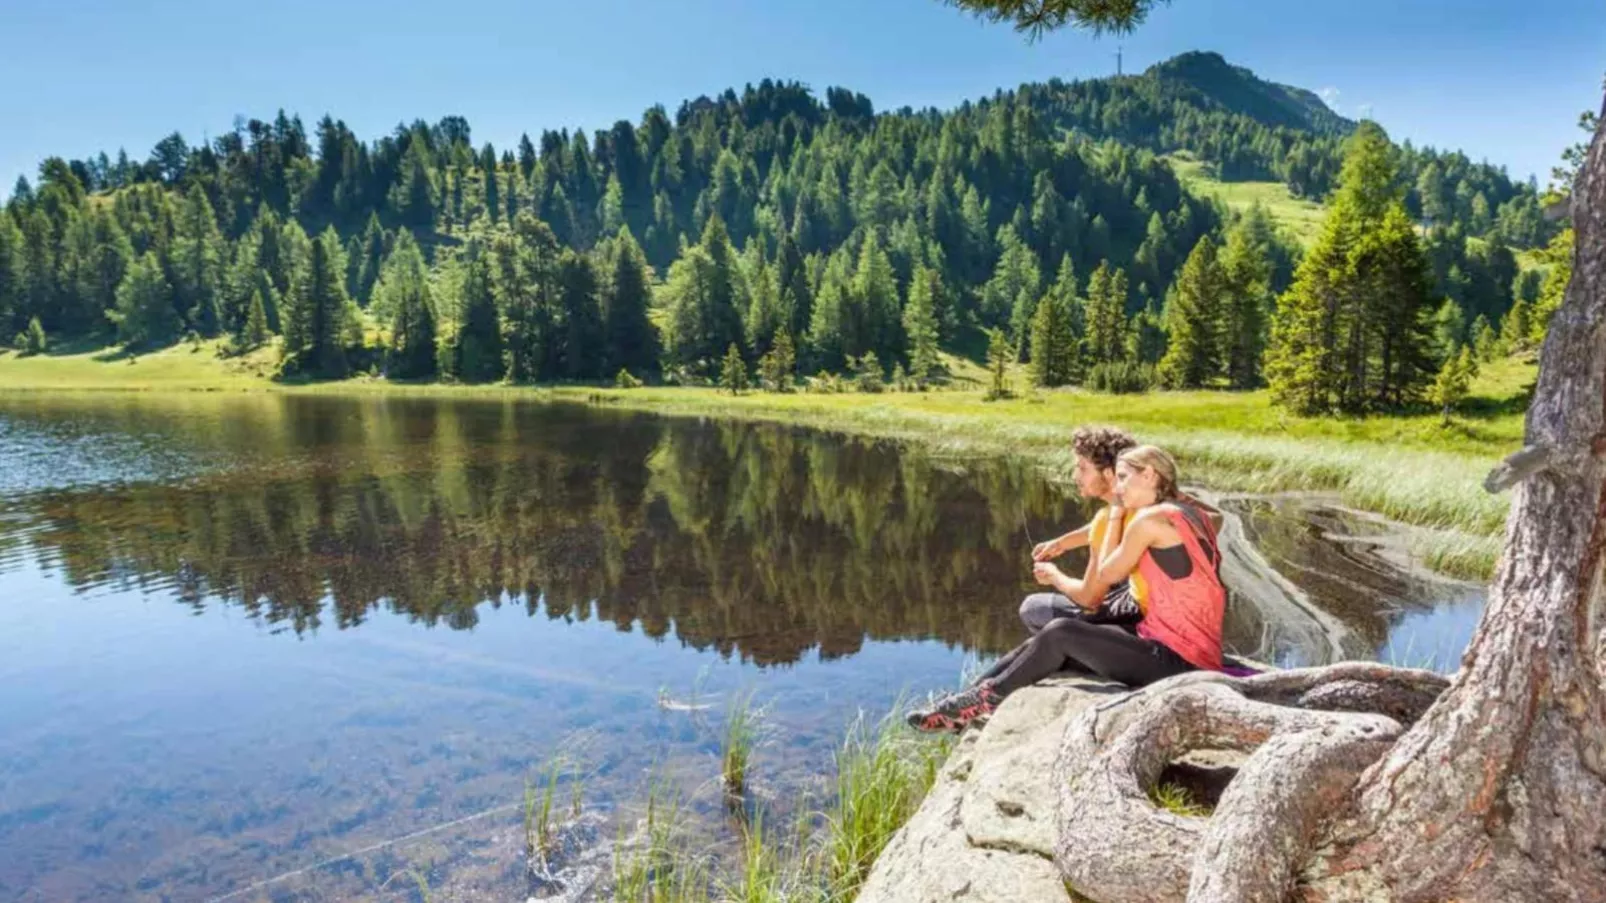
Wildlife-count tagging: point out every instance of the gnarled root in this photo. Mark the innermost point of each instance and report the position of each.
(1308, 735)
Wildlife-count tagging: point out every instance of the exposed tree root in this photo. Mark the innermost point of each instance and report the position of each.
(1308, 734)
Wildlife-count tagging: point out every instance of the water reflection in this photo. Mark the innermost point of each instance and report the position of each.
(216, 661)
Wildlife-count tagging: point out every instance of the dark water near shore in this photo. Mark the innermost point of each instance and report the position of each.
(244, 635)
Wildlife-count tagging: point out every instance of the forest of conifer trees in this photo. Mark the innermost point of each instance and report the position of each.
(810, 235)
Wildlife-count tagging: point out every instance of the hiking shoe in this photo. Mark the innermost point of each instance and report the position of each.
(956, 711)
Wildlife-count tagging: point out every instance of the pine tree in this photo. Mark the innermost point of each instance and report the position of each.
(632, 341)
(403, 293)
(1010, 296)
(827, 322)
(493, 193)
(1355, 332)
(144, 314)
(13, 278)
(873, 322)
(197, 264)
(1516, 327)
(778, 364)
(920, 323)
(1559, 255)
(1247, 268)
(37, 341)
(999, 357)
(611, 212)
(1105, 340)
(582, 317)
(795, 298)
(1449, 328)
(479, 337)
(1454, 380)
(315, 327)
(254, 331)
(1485, 342)
(1191, 358)
(413, 198)
(1054, 338)
(733, 373)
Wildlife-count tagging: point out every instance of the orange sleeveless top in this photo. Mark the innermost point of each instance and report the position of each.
(1186, 614)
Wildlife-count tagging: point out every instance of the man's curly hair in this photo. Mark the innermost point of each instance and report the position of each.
(1101, 444)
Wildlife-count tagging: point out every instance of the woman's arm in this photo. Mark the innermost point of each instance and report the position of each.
(1116, 566)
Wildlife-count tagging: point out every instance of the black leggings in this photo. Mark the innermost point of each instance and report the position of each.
(1101, 649)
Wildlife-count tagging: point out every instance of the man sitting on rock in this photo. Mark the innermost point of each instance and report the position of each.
(1096, 449)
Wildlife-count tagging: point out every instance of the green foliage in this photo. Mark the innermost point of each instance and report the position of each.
(920, 323)
(1248, 268)
(867, 373)
(144, 314)
(404, 290)
(733, 372)
(1559, 255)
(254, 332)
(1054, 333)
(1354, 332)
(316, 316)
(1516, 329)
(479, 337)
(999, 356)
(1454, 379)
(1192, 355)
(1105, 340)
(1122, 378)
(35, 341)
(1485, 341)
(625, 381)
(778, 364)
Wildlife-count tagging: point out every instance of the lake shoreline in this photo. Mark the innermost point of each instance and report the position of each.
(1428, 480)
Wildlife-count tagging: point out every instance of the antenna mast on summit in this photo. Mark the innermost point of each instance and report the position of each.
(1118, 49)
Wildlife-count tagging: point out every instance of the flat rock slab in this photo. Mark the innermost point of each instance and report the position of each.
(986, 831)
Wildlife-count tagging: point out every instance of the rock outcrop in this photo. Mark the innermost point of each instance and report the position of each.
(986, 831)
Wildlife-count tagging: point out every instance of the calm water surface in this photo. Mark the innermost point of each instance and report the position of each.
(264, 647)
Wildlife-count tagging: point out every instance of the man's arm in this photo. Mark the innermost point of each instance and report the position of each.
(1059, 545)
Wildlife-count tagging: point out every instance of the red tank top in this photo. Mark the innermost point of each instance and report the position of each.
(1186, 614)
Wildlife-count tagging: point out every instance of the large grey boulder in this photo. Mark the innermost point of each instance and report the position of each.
(986, 831)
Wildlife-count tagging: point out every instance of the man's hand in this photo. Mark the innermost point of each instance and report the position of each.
(1047, 574)
(1046, 551)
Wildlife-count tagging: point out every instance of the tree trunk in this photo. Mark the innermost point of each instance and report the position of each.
(1499, 791)
(1365, 782)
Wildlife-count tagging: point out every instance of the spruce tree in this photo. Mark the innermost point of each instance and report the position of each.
(197, 264)
(1192, 348)
(1247, 269)
(37, 341)
(254, 331)
(144, 314)
(1354, 332)
(1105, 340)
(582, 317)
(792, 281)
(1485, 342)
(1516, 327)
(733, 373)
(1452, 383)
(999, 356)
(403, 292)
(632, 341)
(479, 335)
(1053, 332)
(874, 323)
(920, 324)
(315, 328)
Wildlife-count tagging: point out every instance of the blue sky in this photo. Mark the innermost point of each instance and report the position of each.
(1503, 81)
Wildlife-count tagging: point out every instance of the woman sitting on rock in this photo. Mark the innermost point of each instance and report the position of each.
(1172, 545)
